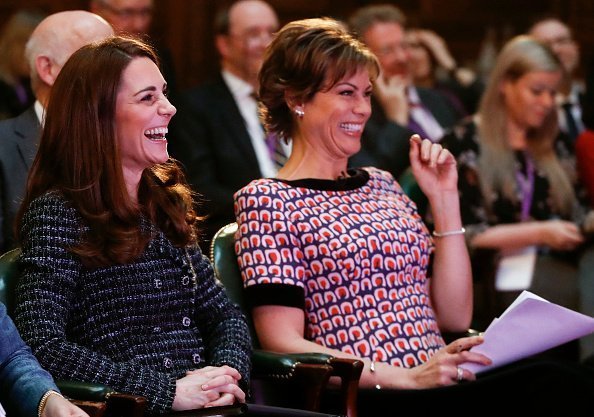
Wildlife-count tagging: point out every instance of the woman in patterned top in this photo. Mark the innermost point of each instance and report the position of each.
(114, 288)
(341, 260)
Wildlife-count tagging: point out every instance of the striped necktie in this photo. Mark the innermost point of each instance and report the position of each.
(570, 124)
(275, 149)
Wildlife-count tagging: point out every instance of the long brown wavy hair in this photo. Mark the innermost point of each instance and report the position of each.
(77, 154)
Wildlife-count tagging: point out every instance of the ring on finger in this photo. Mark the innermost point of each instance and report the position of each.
(459, 374)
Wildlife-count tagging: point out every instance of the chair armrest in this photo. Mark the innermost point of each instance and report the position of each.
(84, 391)
(349, 371)
(125, 405)
(266, 364)
(313, 369)
(92, 408)
(307, 380)
(96, 399)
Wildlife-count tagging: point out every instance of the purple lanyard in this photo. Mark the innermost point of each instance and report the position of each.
(526, 183)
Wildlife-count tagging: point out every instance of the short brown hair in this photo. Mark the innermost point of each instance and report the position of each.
(305, 57)
(365, 17)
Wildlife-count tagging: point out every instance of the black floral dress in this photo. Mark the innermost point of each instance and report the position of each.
(477, 212)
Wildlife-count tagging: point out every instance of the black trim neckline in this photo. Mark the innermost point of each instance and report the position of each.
(357, 177)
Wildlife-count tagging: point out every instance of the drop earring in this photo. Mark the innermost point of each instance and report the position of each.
(299, 112)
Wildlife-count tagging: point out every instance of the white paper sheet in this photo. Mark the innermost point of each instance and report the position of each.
(516, 269)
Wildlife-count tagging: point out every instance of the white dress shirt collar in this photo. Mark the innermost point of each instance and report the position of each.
(248, 107)
(40, 112)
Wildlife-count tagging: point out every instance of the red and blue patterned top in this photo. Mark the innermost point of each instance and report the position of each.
(353, 253)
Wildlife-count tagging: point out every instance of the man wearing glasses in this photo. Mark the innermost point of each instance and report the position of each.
(399, 108)
(219, 137)
(558, 37)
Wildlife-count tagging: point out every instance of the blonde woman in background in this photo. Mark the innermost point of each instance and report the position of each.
(517, 172)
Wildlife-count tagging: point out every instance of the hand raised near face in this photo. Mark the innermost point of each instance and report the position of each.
(392, 96)
(433, 166)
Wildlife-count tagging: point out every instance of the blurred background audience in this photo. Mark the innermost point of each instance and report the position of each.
(517, 194)
(219, 137)
(399, 107)
(558, 36)
(15, 86)
(584, 146)
(433, 66)
(584, 151)
(185, 26)
(135, 17)
(50, 45)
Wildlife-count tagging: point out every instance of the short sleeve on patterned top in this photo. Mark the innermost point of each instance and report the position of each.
(352, 253)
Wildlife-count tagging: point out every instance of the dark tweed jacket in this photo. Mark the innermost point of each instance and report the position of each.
(136, 327)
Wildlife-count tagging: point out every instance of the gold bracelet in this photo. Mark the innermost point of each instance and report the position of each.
(460, 231)
(44, 399)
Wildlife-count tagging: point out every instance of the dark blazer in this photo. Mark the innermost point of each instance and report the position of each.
(210, 138)
(385, 144)
(19, 138)
(10, 103)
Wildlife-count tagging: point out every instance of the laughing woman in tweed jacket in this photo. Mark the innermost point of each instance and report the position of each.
(114, 288)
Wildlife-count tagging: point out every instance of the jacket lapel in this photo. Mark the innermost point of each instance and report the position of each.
(27, 130)
(234, 121)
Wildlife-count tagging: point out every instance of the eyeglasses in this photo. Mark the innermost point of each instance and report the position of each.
(128, 13)
(560, 41)
(254, 37)
(390, 49)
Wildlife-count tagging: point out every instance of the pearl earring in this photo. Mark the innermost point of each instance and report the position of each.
(299, 112)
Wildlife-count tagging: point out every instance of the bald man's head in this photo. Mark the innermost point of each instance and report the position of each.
(55, 39)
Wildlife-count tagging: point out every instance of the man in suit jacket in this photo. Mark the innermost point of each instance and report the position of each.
(218, 136)
(553, 32)
(399, 109)
(50, 45)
